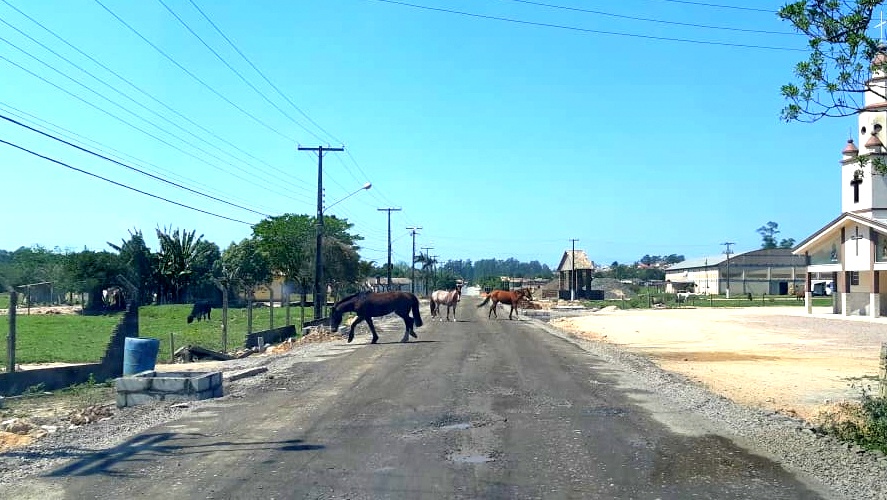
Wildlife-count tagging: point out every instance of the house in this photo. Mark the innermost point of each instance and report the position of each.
(380, 284)
(575, 273)
(773, 271)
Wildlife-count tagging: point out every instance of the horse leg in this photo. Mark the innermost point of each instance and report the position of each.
(354, 325)
(373, 330)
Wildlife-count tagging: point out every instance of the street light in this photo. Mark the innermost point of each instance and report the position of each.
(320, 296)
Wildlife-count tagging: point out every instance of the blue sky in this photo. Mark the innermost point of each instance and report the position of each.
(499, 139)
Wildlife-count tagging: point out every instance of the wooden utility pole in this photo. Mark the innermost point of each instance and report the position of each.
(389, 210)
(413, 230)
(319, 295)
(427, 266)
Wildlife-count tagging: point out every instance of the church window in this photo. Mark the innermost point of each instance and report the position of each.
(876, 128)
(863, 130)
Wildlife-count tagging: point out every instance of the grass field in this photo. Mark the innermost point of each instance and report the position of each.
(4, 301)
(77, 339)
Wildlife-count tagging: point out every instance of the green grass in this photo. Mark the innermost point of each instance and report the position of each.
(42, 338)
(4, 300)
(78, 339)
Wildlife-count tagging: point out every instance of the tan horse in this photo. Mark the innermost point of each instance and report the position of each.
(448, 298)
(508, 298)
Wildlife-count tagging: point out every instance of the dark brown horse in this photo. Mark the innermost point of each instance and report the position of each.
(508, 298)
(369, 305)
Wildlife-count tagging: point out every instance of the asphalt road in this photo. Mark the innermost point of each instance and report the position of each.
(475, 409)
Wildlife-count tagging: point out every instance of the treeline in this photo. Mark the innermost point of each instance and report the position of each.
(186, 266)
(495, 268)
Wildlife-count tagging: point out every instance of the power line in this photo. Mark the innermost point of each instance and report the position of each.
(719, 6)
(253, 66)
(167, 120)
(587, 30)
(155, 177)
(112, 115)
(121, 184)
(136, 87)
(192, 75)
(660, 21)
(62, 131)
(244, 80)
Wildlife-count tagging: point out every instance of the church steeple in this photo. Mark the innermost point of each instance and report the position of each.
(864, 192)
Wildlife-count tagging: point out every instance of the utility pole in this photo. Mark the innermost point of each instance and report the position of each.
(573, 271)
(727, 244)
(427, 265)
(413, 230)
(319, 295)
(389, 210)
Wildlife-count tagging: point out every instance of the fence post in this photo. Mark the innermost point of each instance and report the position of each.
(249, 313)
(10, 339)
(271, 308)
(882, 372)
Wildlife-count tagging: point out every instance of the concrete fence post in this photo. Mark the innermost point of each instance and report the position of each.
(10, 338)
(882, 372)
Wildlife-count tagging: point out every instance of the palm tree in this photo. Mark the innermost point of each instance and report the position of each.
(178, 253)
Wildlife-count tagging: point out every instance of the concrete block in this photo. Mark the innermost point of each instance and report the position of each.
(249, 372)
(132, 384)
(170, 384)
(146, 373)
(135, 399)
(202, 382)
(218, 392)
(121, 400)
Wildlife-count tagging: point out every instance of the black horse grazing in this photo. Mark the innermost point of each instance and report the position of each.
(369, 305)
(201, 310)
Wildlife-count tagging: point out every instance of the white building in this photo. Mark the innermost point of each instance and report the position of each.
(852, 249)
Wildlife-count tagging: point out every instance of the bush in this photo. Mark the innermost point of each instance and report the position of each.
(862, 423)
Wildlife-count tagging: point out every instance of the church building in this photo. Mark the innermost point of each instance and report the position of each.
(852, 249)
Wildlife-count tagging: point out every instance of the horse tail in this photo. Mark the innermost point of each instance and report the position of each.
(484, 302)
(417, 319)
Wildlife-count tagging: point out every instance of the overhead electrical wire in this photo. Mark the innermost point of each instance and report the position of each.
(35, 75)
(120, 184)
(195, 77)
(109, 151)
(234, 70)
(588, 30)
(147, 174)
(660, 21)
(137, 88)
(720, 6)
(115, 89)
(268, 81)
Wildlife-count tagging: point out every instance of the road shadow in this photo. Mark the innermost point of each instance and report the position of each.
(122, 460)
(396, 342)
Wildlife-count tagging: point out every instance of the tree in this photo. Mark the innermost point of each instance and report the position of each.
(245, 265)
(768, 234)
(832, 81)
(787, 243)
(179, 252)
(91, 272)
(138, 264)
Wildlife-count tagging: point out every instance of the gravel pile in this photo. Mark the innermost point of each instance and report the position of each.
(847, 470)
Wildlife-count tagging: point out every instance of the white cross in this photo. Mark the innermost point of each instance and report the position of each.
(857, 238)
(881, 24)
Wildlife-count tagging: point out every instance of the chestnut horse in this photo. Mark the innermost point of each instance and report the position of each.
(509, 298)
(369, 305)
(448, 298)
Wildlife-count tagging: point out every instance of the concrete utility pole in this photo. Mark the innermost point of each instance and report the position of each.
(727, 244)
(573, 271)
(413, 230)
(389, 210)
(319, 295)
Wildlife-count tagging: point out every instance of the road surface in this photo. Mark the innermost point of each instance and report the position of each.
(475, 409)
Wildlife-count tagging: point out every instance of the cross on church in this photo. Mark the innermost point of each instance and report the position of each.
(881, 25)
(857, 237)
(855, 183)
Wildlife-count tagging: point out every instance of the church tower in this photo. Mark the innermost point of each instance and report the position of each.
(863, 193)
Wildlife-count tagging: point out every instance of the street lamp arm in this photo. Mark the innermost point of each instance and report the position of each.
(366, 186)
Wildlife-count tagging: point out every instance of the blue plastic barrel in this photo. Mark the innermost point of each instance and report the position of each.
(139, 355)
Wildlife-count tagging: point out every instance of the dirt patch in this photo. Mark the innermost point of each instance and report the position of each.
(44, 310)
(775, 358)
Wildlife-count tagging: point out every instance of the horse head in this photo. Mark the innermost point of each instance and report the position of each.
(335, 318)
(526, 292)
